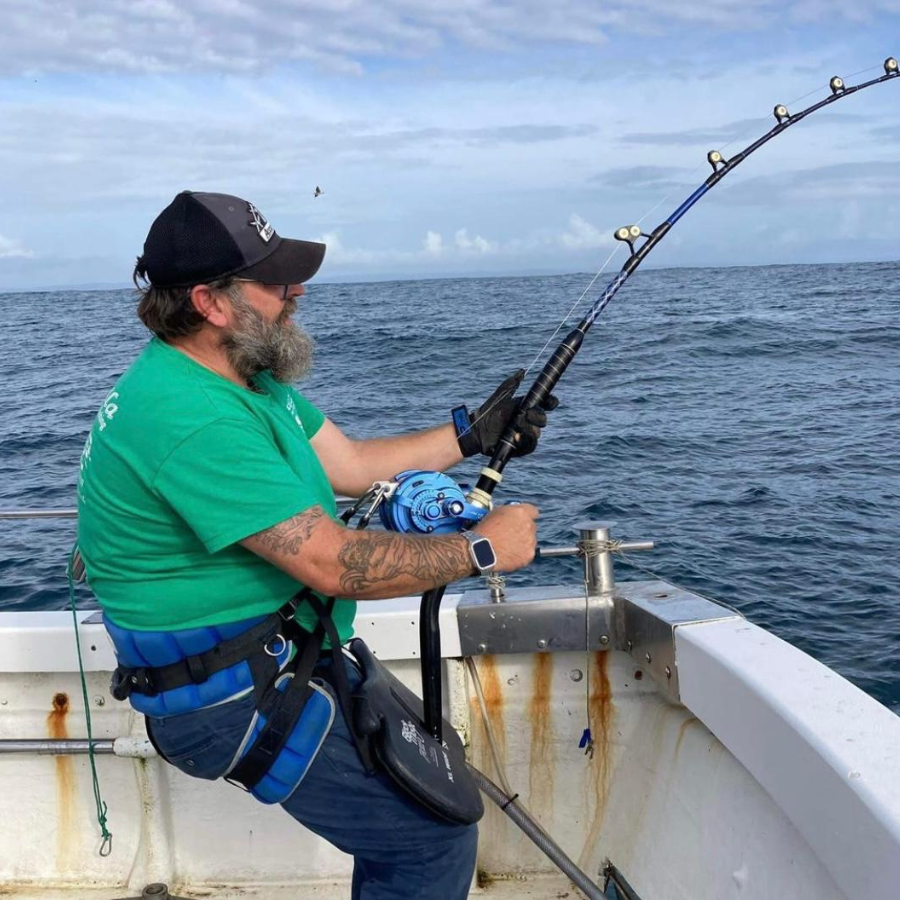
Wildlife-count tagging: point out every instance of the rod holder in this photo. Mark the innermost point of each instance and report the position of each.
(596, 547)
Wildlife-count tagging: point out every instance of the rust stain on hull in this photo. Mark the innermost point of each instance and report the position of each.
(602, 713)
(57, 729)
(540, 772)
(492, 824)
(493, 700)
(682, 731)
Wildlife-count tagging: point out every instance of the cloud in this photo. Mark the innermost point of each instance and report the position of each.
(730, 131)
(474, 245)
(645, 178)
(578, 238)
(581, 235)
(433, 245)
(10, 249)
(859, 181)
(347, 36)
(887, 132)
(338, 254)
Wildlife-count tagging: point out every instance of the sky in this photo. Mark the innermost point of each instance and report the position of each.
(450, 138)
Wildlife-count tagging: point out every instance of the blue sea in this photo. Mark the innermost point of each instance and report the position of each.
(745, 419)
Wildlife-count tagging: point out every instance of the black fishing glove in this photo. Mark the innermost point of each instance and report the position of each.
(480, 432)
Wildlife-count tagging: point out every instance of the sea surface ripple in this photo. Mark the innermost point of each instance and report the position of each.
(745, 419)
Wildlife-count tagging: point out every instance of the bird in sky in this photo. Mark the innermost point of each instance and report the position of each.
(318, 191)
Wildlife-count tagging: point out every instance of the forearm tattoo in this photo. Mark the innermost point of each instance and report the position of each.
(370, 559)
(287, 537)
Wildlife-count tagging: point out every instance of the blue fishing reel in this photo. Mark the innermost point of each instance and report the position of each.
(422, 502)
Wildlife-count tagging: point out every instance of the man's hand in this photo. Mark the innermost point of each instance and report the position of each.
(512, 531)
(488, 423)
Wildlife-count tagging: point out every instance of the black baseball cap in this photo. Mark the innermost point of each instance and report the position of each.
(199, 237)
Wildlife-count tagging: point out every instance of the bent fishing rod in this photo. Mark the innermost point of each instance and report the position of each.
(431, 502)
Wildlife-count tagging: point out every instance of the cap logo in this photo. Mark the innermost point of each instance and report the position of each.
(260, 223)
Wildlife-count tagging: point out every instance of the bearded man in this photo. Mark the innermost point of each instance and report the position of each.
(207, 501)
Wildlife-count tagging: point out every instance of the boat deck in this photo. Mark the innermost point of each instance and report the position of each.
(537, 887)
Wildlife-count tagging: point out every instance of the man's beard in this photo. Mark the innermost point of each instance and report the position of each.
(255, 344)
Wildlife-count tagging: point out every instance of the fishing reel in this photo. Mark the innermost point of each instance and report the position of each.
(428, 503)
(418, 502)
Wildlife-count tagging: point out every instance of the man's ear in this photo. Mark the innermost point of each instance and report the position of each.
(212, 306)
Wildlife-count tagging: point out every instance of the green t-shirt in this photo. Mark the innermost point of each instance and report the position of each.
(180, 465)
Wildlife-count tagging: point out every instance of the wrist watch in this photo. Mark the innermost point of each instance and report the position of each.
(481, 551)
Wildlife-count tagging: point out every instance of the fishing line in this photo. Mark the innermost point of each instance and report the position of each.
(478, 500)
(738, 137)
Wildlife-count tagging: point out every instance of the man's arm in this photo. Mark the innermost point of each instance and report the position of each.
(373, 565)
(352, 466)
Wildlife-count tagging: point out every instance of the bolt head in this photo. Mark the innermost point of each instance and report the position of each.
(482, 648)
(542, 644)
(604, 639)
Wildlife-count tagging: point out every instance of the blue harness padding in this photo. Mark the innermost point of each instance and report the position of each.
(161, 648)
(293, 762)
(154, 649)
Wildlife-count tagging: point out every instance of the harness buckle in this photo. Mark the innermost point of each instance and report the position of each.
(126, 681)
(268, 647)
(287, 610)
(236, 784)
(120, 684)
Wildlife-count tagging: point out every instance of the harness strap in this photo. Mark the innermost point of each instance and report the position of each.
(282, 709)
(200, 667)
(341, 683)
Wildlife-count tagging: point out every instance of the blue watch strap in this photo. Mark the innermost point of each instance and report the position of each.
(465, 436)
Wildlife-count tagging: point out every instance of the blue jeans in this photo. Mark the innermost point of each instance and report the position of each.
(400, 850)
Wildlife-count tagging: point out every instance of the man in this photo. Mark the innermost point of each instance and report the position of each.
(206, 500)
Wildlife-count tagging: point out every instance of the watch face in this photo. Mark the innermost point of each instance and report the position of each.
(484, 554)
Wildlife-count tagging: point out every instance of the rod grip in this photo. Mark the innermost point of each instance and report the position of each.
(539, 391)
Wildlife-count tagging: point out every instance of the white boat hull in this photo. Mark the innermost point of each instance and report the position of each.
(774, 777)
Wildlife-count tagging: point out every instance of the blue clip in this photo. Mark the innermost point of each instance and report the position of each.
(585, 739)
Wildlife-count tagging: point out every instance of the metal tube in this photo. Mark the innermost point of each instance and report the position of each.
(536, 833)
(598, 566)
(55, 748)
(38, 514)
(552, 552)
(73, 513)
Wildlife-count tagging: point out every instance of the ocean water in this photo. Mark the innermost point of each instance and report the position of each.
(745, 419)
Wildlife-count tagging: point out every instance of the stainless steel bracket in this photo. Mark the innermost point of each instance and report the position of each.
(533, 620)
(646, 616)
(639, 618)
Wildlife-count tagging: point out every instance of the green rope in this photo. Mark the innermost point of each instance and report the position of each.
(106, 846)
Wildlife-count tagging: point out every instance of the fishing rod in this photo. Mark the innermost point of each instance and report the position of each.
(431, 502)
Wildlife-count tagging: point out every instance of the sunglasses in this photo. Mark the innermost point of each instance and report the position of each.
(284, 287)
